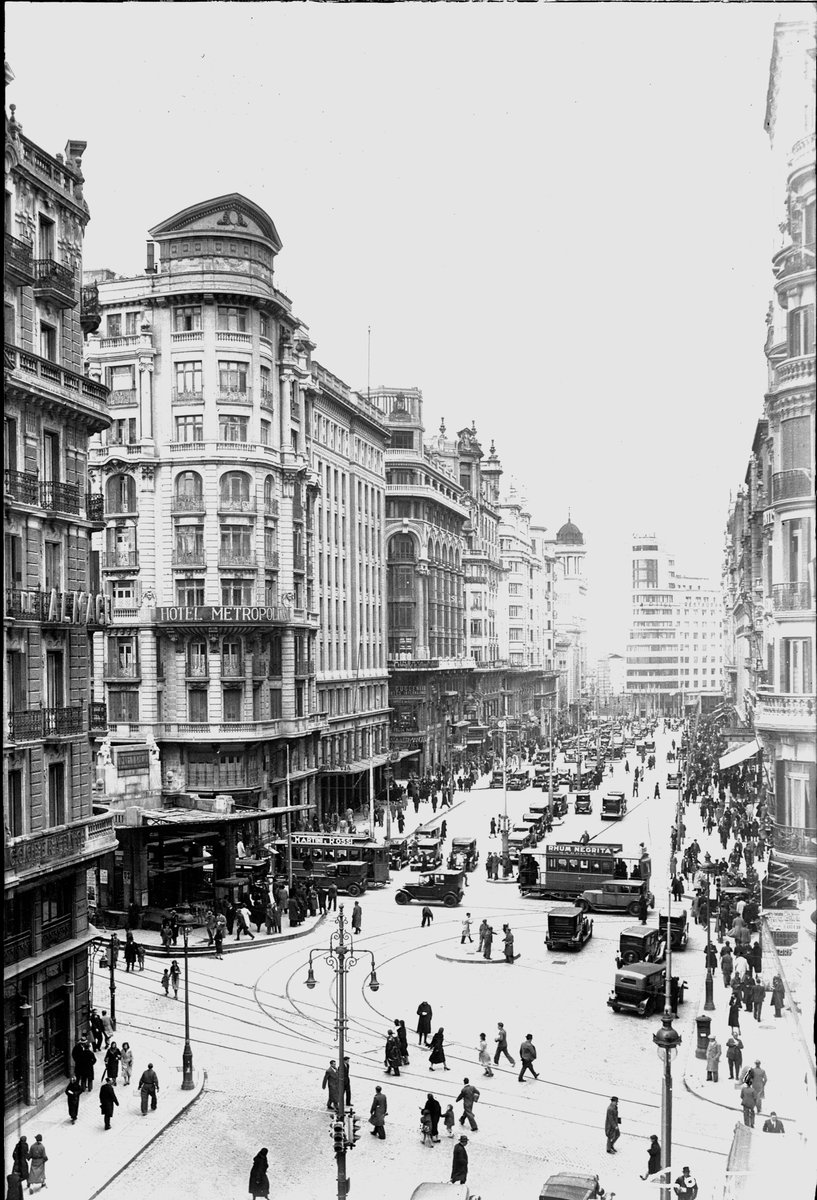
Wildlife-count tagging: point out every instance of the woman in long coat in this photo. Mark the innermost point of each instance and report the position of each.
(113, 1057)
(73, 1092)
(778, 995)
(402, 1039)
(259, 1180)
(437, 1052)
(37, 1158)
(19, 1158)
(733, 1020)
(423, 1023)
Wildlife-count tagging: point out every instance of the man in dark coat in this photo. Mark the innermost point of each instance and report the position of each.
(459, 1164)
(377, 1117)
(84, 1058)
(434, 1110)
(653, 1156)
(423, 1023)
(107, 1101)
(611, 1125)
(642, 906)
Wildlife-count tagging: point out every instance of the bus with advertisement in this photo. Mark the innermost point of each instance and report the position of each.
(563, 870)
(351, 847)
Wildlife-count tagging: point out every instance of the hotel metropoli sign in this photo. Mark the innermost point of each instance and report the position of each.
(220, 614)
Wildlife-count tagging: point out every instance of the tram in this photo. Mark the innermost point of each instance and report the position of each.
(351, 847)
(564, 870)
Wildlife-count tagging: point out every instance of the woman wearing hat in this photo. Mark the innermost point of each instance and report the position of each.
(713, 1057)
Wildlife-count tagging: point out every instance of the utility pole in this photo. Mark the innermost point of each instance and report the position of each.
(506, 861)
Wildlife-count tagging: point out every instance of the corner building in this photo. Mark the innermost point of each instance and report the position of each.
(208, 551)
(52, 836)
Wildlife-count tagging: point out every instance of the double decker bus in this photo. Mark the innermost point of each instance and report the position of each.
(350, 847)
(564, 870)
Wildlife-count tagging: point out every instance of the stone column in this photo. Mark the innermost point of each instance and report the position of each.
(421, 627)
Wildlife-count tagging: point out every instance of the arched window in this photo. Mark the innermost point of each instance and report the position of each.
(120, 494)
(189, 491)
(402, 548)
(270, 499)
(235, 491)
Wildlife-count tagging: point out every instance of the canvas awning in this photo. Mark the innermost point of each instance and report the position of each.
(739, 754)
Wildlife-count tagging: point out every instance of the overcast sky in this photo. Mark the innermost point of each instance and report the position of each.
(557, 219)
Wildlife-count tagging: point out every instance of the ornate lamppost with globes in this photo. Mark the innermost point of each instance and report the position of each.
(186, 921)
(667, 1040)
(341, 956)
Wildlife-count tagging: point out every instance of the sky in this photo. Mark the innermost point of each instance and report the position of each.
(556, 219)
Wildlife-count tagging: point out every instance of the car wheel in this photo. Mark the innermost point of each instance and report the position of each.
(648, 1007)
(450, 900)
(632, 909)
(583, 905)
(353, 889)
(402, 898)
(629, 957)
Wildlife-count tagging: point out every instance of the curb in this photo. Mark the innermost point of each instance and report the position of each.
(478, 960)
(156, 1135)
(235, 947)
(737, 1109)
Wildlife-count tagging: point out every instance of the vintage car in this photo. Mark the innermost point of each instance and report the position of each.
(442, 1191)
(465, 850)
(434, 887)
(426, 853)
(497, 779)
(569, 928)
(640, 943)
(541, 777)
(571, 756)
(567, 1185)
(584, 803)
(399, 853)
(679, 926)
(615, 895)
(518, 780)
(536, 824)
(613, 806)
(525, 827)
(559, 804)
(640, 989)
(517, 843)
(348, 877)
(673, 781)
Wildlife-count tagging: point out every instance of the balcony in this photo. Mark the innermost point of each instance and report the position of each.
(89, 315)
(792, 597)
(54, 282)
(794, 371)
(793, 260)
(272, 560)
(198, 668)
(25, 725)
(182, 396)
(792, 841)
(97, 717)
(785, 712)
(121, 508)
(75, 389)
(59, 497)
(179, 336)
(62, 722)
(54, 932)
(267, 400)
(51, 849)
(130, 670)
(95, 507)
(271, 508)
(234, 395)
(16, 947)
(19, 269)
(122, 397)
(298, 562)
(238, 336)
(236, 504)
(237, 558)
(232, 668)
(120, 560)
(120, 341)
(187, 503)
(791, 485)
(23, 488)
(304, 666)
(189, 558)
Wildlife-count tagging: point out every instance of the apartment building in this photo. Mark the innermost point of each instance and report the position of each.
(52, 607)
(349, 439)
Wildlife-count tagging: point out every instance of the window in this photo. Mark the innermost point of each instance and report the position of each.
(796, 666)
(187, 318)
(48, 342)
(190, 428)
(189, 546)
(401, 616)
(275, 703)
(123, 705)
(232, 378)
(235, 490)
(514, 589)
(113, 325)
(270, 543)
(801, 331)
(53, 565)
(270, 589)
(232, 428)
(236, 591)
(266, 433)
(265, 326)
(232, 318)
(46, 239)
(795, 444)
(197, 705)
(189, 492)
(10, 323)
(190, 591)
(123, 592)
(401, 548)
(121, 379)
(120, 494)
(266, 382)
(236, 542)
(197, 658)
(402, 439)
(56, 793)
(515, 610)
(131, 324)
(232, 703)
(14, 803)
(515, 634)
(189, 380)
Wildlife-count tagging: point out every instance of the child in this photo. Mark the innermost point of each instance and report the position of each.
(166, 981)
(448, 1120)
(140, 955)
(425, 1127)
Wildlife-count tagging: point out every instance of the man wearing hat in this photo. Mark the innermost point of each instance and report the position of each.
(459, 1165)
(611, 1125)
(759, 1078)
(686, 1185)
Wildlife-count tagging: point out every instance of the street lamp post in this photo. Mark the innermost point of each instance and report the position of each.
(341, 956)
(709, 1002)
(667, 1040)
(186, 920)
(108, 961)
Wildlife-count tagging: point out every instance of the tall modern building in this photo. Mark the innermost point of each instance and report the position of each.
(52, 607)
(675, 648)
(232, 466)
(769, 559)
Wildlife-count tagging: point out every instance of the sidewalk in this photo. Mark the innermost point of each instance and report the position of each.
(82, 1159)
(199, 946)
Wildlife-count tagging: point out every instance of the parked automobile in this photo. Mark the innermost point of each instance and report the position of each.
(559, 805)
(497, 779)
(615, 895)
(426, 853)
(569, 928)
(567, 1185)
(518, 781)
(613, 806)
(465, 850)
(583, 803)
(640, 988)
(679, 926)
(640, 943)
(444, 1191)
(517, 843)
(434, 887)
(399, 853)
(536, 824)
(349, 877)
(673, 780)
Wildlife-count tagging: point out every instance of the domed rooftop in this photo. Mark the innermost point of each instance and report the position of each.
(570, 533)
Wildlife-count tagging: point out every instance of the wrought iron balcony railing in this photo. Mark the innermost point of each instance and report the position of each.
(792, 596)
(119, 559)
(188, 503)
(22, 487)
(95, 506)
(189, 558)
(59, 497)
(789, 485)
(56, 282)
(18, 266)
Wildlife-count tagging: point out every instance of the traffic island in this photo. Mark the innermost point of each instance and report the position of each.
(461, 954)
